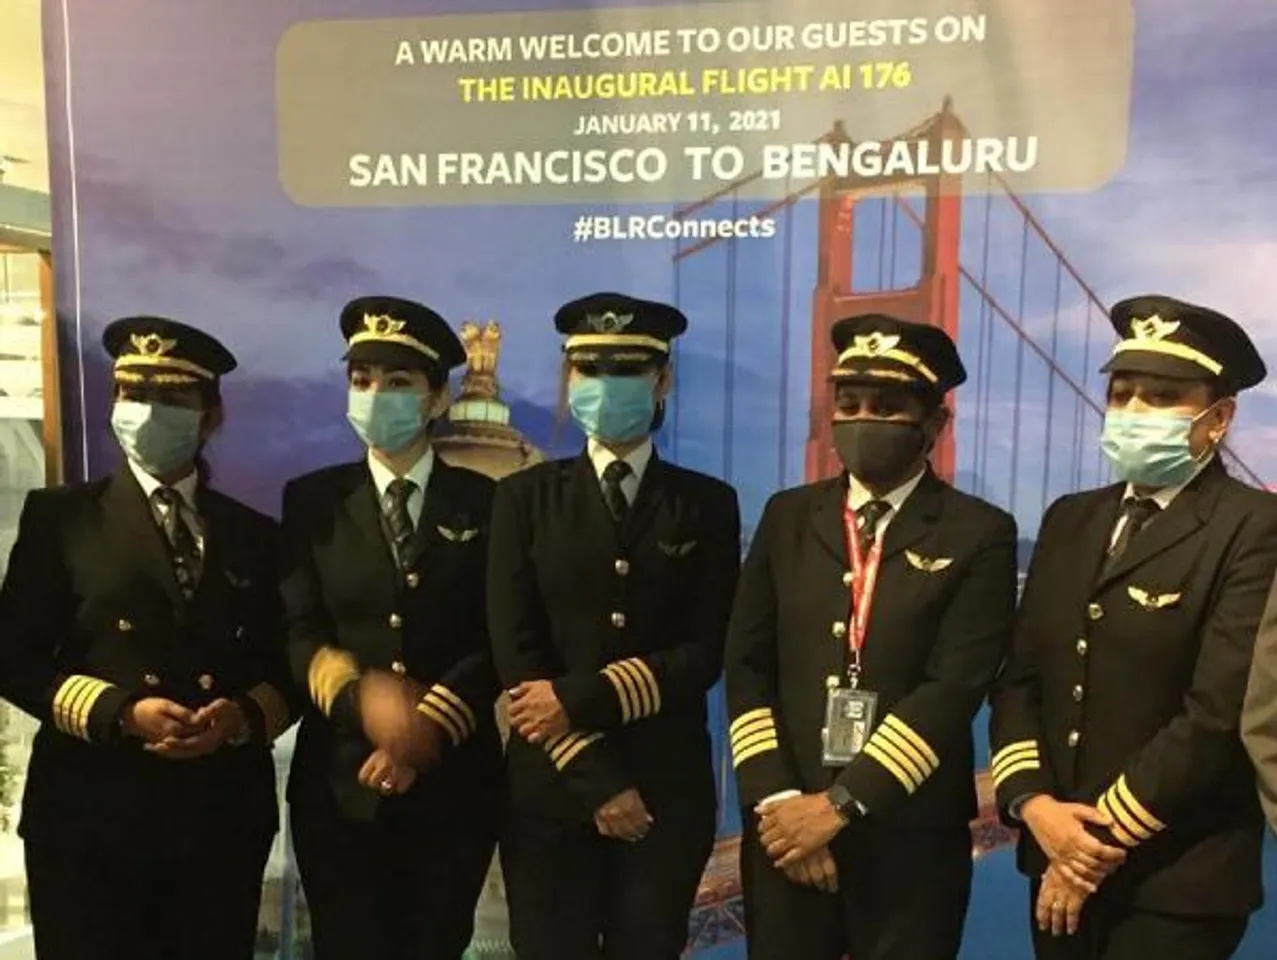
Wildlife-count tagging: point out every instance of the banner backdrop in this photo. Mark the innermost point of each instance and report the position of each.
(1001, 168)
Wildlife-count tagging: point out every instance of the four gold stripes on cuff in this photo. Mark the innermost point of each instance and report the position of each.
(563, 750)
(1132, 821)
(753, 733)
(329, 672)
(904, 753)
(74, 701)
(1018, 757)
(636, 688)
(274, 709)
(449, 711)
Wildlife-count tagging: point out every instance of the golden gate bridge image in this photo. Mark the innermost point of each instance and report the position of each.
(1032, 331)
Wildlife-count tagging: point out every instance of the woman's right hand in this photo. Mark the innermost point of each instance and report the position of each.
(155, 719)
(392, 722)
(1060, 830)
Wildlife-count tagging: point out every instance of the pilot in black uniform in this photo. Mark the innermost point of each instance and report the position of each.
(874, 610)
(142, 628)
(396, 785)
(609, 588)
(1116, 724)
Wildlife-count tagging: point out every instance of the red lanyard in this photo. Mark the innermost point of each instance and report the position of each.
(864, 575)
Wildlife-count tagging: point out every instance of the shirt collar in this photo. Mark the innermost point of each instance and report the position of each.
(418, 474)
(185, 487)
(1165, 495)
(858, 494)
(638, 458)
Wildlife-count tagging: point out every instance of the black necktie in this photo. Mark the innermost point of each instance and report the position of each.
(613, 475)
(1137, 514)
(186, 552)
(398, 519)
(867, 519)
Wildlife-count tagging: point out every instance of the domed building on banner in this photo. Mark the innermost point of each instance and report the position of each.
(477, 432)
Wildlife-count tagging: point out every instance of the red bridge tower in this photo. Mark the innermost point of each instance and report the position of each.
(934, 299)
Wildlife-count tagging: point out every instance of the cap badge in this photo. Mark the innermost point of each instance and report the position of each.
(1153, 328)
(382, 325)
(609, 322)
(875, 344)
(151, 345)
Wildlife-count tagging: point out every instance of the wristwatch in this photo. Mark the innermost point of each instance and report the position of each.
(843, 802)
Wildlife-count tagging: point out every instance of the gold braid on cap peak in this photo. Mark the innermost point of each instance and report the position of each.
(383, 328)
(881, 346)
(152, 350)
(1149, 335)
(587, 340)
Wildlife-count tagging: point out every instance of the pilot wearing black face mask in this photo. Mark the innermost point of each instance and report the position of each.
(873, 612)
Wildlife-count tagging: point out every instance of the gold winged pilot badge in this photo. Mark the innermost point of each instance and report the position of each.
(1153, 601)
(1153, 328)
(459, 534)
(681, 549)
(928, 564)
(609, 321)
(874, 344)
(151, 344)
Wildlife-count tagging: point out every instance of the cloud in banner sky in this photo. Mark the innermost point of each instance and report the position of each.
(166, 236)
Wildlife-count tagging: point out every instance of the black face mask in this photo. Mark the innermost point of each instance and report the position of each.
(878, 452)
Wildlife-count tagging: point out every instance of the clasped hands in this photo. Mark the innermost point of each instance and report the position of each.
(537, 716)
(796, 833)
(175, 732)
(1079, 862)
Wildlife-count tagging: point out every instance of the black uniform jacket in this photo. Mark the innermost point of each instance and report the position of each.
(93, 619)
(939, 626)
(350, 607)
(1125, 689)
(629, 622)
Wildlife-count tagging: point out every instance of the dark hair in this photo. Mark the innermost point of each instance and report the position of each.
(211, 394)
(1217, 389)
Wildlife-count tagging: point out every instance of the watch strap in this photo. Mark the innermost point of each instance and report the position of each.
(843, 802)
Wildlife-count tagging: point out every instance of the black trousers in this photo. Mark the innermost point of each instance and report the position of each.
(1109, 931)
(902, 895)
(402, 887)
(93, 905)
(576, 895)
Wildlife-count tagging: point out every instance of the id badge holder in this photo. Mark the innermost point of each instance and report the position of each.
(849, 720)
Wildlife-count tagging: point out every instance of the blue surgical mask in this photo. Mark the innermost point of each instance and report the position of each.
(1149, 449)
(157, 437)
(613, 409)
(387, 420)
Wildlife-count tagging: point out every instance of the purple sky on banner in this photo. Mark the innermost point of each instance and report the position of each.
(180, 210)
